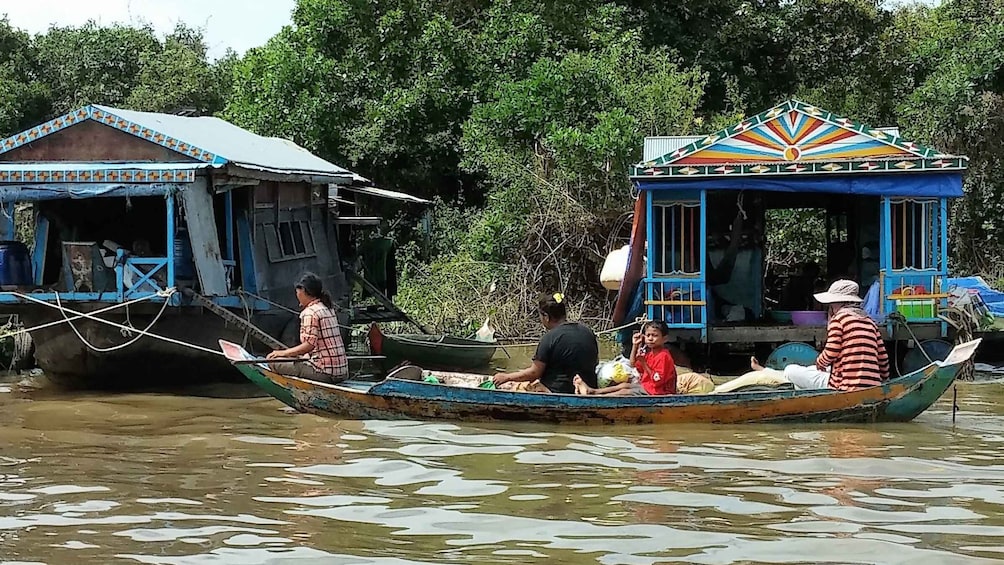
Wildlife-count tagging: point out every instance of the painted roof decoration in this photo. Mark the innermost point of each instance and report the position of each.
(100, 172)
(207, 139)
(797, 138)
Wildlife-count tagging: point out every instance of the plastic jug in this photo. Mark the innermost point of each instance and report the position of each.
(485, 333)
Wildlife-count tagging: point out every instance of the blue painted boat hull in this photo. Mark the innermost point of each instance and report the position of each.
(898, 400)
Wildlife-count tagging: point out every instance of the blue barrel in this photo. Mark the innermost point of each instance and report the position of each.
(184, 265)
(15, 264)
(794, 353)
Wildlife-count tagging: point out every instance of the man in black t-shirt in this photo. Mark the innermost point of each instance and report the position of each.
(566, 350)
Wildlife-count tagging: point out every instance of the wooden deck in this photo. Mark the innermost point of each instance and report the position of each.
(783, 334)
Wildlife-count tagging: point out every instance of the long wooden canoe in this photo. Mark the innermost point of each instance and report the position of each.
(897, 400)
(431, 351)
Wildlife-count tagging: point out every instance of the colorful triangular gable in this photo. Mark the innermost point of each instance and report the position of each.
(108, 118)
(795, 137)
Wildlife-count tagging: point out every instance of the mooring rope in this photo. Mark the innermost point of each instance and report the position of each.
(247, 315)
(966, 322)
(120, 326)
(127, 328)
(58, 322)
(405, 339)
(245, 293)
(639, 320)
(437, 344)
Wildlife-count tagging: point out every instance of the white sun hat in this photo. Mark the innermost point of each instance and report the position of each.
(839, 292)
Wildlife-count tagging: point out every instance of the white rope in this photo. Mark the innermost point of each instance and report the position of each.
(128, 320)
(638, 320)
(123, 329)
(247, 315)
(438, 344)
(58, 322)
(120, 326)
(243, 292)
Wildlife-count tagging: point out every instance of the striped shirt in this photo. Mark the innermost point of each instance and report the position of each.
(854, 351)
(319, 327)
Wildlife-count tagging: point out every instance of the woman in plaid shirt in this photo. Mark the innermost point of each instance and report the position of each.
(320, 339)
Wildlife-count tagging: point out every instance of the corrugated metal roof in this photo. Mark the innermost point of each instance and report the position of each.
(656, 147)
(237, 146)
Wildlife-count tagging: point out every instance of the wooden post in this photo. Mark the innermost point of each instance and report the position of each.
(228, 217)
(175, 299)
(387, 302)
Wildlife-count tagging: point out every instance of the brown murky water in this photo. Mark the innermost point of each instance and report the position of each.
(175, 479)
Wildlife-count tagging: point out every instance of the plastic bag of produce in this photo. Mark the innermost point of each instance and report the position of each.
(613, 372)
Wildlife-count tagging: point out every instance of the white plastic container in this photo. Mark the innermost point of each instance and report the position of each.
(614, 268)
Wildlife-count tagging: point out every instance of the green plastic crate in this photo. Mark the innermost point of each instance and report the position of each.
(917, 309)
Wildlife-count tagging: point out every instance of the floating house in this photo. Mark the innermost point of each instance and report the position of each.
(709, 203)
(187, 228)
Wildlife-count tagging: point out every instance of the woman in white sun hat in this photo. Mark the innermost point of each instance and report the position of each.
(853, 358)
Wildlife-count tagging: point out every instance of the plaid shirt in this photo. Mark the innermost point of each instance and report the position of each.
(319, 327)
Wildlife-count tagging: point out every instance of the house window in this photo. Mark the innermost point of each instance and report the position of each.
(914, 224)
(677, 230)
(289, 240)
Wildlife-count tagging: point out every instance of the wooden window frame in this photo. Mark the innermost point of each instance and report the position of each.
(278, 251)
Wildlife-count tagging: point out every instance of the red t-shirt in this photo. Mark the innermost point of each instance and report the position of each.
(658, 372)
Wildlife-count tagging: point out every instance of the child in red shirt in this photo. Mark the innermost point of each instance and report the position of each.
(653, 362)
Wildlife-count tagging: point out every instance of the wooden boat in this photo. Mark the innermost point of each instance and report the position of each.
(430, 351)
(898, 400)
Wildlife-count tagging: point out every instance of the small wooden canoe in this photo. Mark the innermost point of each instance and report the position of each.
(898, 400)
(431, 351)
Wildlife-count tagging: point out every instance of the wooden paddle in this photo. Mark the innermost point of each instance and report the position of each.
(256, 360)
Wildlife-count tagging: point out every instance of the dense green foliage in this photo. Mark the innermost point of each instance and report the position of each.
(66, 68)
(521, 118)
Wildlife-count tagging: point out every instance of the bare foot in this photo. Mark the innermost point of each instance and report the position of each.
(580, 386)
(755, 365)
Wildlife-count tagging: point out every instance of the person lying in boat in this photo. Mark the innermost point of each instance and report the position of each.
(320, 338)
(567, 349)
(854, 356)
(653, 362)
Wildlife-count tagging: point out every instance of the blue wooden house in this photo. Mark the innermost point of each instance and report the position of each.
(160, 220)
(883, 205)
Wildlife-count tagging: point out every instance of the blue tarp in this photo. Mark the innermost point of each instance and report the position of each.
(33, 193)
(994, 299)
(892, 184)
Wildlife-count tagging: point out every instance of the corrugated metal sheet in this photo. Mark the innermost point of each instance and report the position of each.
(384, 193)
(237, 146)
(201, 221)
(656, 147)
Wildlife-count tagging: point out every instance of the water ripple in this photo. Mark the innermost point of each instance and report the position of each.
(152, 479)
